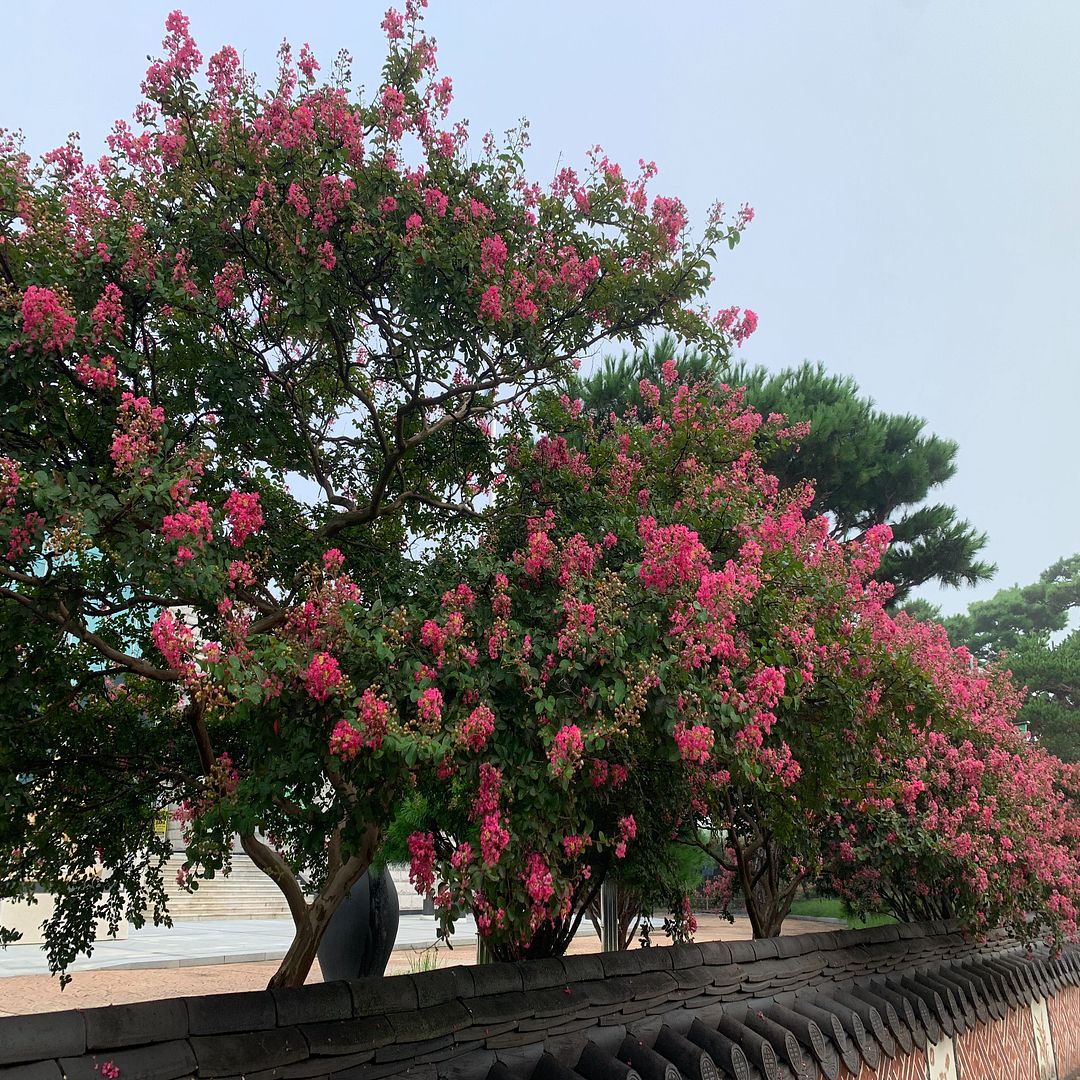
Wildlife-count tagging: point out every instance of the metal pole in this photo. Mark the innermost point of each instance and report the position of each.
(609, 917)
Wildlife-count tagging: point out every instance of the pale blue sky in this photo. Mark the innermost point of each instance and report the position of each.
(913, 163)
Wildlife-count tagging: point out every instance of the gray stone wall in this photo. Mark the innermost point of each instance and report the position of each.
(459, 1022)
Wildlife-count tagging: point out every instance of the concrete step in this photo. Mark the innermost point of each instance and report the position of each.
(245, 893)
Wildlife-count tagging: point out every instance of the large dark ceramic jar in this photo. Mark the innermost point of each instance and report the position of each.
(361, 933)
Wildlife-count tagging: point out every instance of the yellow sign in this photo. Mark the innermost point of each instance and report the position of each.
(161, 822)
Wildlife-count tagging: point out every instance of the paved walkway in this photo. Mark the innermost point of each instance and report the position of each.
(206, 942)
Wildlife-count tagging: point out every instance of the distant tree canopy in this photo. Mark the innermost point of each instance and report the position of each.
(1018, 615)
(867, 466)
(1021, 621)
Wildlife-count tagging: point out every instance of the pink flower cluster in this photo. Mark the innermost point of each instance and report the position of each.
(9, 483)
(322, 676)
(108, 315)
(492, 255)
(739, 328)
(182, 60)
(566, 751)
(244, 515)
(695, 742)
(373, 717)
(627, 832)
(673, 555)
(174, 639)
(45, 320)
(537, 877)
(226, 281)
(345, 741)
(491, 304)
(99, 377)
(193, 525)
(240, 574)
(429, 705)
(137, 424)
(477, 728)
(422, 865)
(574, 846)
(494, 837)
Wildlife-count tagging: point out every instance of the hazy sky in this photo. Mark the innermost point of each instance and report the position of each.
(913, 164)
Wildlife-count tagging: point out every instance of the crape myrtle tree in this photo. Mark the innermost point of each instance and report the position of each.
(867, 466)
(976, 821)
(250, 353)
(658, 638)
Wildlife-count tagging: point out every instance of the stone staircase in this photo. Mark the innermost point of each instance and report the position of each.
(247, 893)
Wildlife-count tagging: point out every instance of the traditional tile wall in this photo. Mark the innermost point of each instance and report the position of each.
(909, 1002)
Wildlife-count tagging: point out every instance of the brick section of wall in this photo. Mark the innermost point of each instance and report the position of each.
(865, 1001)
(1004, 1050)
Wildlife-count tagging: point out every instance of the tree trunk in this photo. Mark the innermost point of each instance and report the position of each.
(768, 899)
(310, 918)
(552, 938)
(296, 963)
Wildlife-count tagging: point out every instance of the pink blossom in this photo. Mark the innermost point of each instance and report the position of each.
(173, 638)
(413, 224)
(393, 101)
(461, 597)
(9, 483)
(191, 525)
(435, 200)
(298, 200)
(373, 716)
(322, 676)
(491, 304)
(430, 705)
(627, 832)
(308, 65)
(99, 377)
(479, 211)
(673, 555)
(463, 856)
(574, 846)
(108, 315)
(740, 329)
(566, 751)
(486, 801)
(225, 283)
(183, 58)
(493, 839)
(240, 573)
(45, 320)
(537, 877)
(244, 515)
(478, 727)
(345, 741)
(492, 255)
(695, 742)
(669, 216)
(422, 865)
(393, 25)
